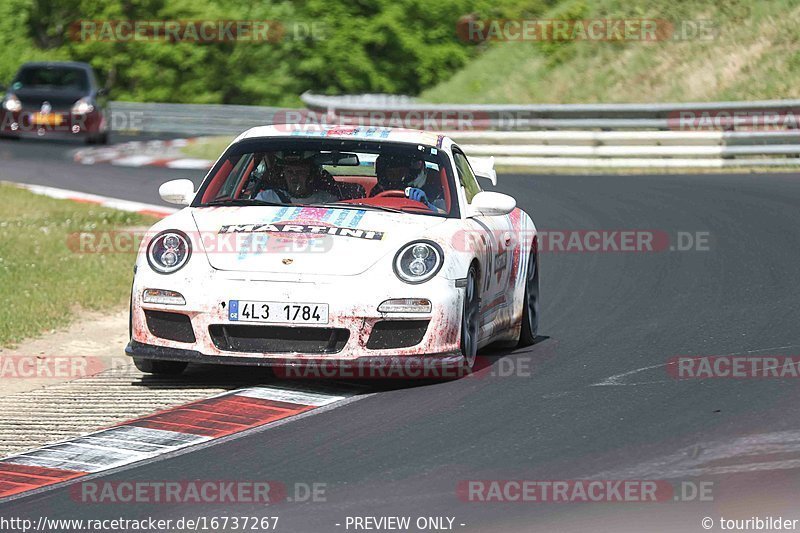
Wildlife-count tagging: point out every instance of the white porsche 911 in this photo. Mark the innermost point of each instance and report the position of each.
(345, 245)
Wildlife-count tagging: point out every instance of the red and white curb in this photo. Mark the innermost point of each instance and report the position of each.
(104, 201)
(164, 432)
(143, 153)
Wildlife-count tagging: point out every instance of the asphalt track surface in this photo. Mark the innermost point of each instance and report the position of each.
(607, 318)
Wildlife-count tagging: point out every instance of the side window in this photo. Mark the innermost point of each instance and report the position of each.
(466, 176)
(229, 187)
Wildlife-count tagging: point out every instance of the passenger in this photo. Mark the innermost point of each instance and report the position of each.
(408, 174)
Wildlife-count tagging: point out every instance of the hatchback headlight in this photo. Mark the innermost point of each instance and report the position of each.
(12, 103)
(418, 261)
(169, 251)
(83, 106)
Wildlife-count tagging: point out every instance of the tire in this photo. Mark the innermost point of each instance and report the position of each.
(469, 319)
(163, 368)
(530, 304)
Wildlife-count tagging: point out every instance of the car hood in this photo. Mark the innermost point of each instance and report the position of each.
(304, 240)
(60, 99)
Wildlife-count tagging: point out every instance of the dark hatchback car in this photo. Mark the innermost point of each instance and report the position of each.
(60, 99)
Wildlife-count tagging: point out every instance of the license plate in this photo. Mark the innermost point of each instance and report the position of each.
(277, 312)
(47, 119)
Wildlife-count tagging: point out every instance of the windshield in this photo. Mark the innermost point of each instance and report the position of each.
(52, 77)
(382, 176)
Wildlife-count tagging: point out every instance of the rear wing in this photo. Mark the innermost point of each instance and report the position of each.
(483, 167)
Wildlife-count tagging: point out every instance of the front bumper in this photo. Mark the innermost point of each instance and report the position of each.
(160, 353)
(353, 305)
(64, 124)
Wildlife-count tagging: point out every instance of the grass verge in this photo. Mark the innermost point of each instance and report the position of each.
(207, 147)
(43, 283)
(752, 52)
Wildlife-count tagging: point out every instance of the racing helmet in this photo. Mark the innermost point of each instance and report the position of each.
(398, 171)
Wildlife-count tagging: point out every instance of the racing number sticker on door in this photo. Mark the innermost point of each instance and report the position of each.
(497, 257)
(501, 263)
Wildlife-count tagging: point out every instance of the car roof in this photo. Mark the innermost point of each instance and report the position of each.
(71, 64)
(361, 133)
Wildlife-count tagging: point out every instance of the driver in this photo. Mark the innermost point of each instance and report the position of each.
(408, 174)
(303, 182)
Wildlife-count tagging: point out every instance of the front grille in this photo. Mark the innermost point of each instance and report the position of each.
(388, 334)
(170, 326)
(277, 339)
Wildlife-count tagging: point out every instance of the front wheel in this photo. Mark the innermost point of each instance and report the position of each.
(164, 368)
(530, 303)
(469, 319)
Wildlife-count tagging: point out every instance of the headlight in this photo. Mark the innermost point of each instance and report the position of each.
(12, 103)
(169, 251)
(82, 106)
(418, 261)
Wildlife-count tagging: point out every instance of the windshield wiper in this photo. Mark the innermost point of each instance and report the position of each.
(362, 205)
(242, 202)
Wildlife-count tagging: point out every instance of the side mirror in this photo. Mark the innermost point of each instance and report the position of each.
(178, 192)
(102, 91)
(492, 204)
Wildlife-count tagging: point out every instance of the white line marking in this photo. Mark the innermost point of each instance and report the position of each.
(291, 396)
(158, 437)
(49, 463)
(123, 445)
(614, 381)
(115, 203)
(80, 454)
(347, 397)
(120, 444)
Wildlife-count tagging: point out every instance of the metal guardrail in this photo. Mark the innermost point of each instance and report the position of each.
(189, 119)
(367, 103)
(506, 117)
(626, 137)
(607, 135)
(662, 135)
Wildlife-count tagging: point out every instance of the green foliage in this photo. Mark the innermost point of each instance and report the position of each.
(752, 55)
(395, 46)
